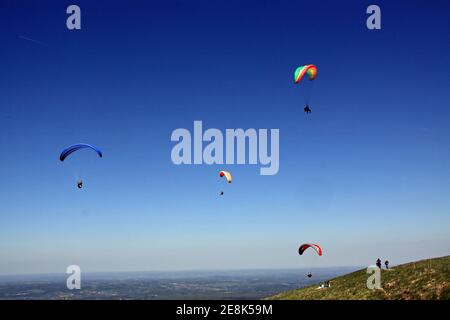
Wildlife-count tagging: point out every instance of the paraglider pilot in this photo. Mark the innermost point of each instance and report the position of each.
(80, 184)
(307, 109)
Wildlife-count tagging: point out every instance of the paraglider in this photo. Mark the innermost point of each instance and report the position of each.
(311, 71)
(305, 246)
(71, 149)
(227, 176)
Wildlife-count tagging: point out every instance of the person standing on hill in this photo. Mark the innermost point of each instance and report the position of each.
(379, 263)
(386, 263)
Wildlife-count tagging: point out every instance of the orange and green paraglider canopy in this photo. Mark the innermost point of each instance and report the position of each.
(309, 69)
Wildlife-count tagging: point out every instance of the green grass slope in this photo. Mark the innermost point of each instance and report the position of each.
(425, 279)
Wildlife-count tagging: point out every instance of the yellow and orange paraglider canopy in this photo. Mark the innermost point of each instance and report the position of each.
(227, 175)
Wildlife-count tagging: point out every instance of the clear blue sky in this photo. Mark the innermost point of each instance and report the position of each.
(366, 175)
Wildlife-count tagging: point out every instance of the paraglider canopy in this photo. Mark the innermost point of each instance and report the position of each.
(227, 175)
(66, 152)
(305, 246)
(309, 69)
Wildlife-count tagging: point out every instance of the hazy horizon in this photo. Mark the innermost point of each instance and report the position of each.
(92, 274)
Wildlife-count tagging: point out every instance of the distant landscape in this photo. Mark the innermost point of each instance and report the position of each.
(425, 279)
(220, 285)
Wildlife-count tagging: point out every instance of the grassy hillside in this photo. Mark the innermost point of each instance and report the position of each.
(425, 279)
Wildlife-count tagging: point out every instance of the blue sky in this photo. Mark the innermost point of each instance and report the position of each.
(367, 174)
